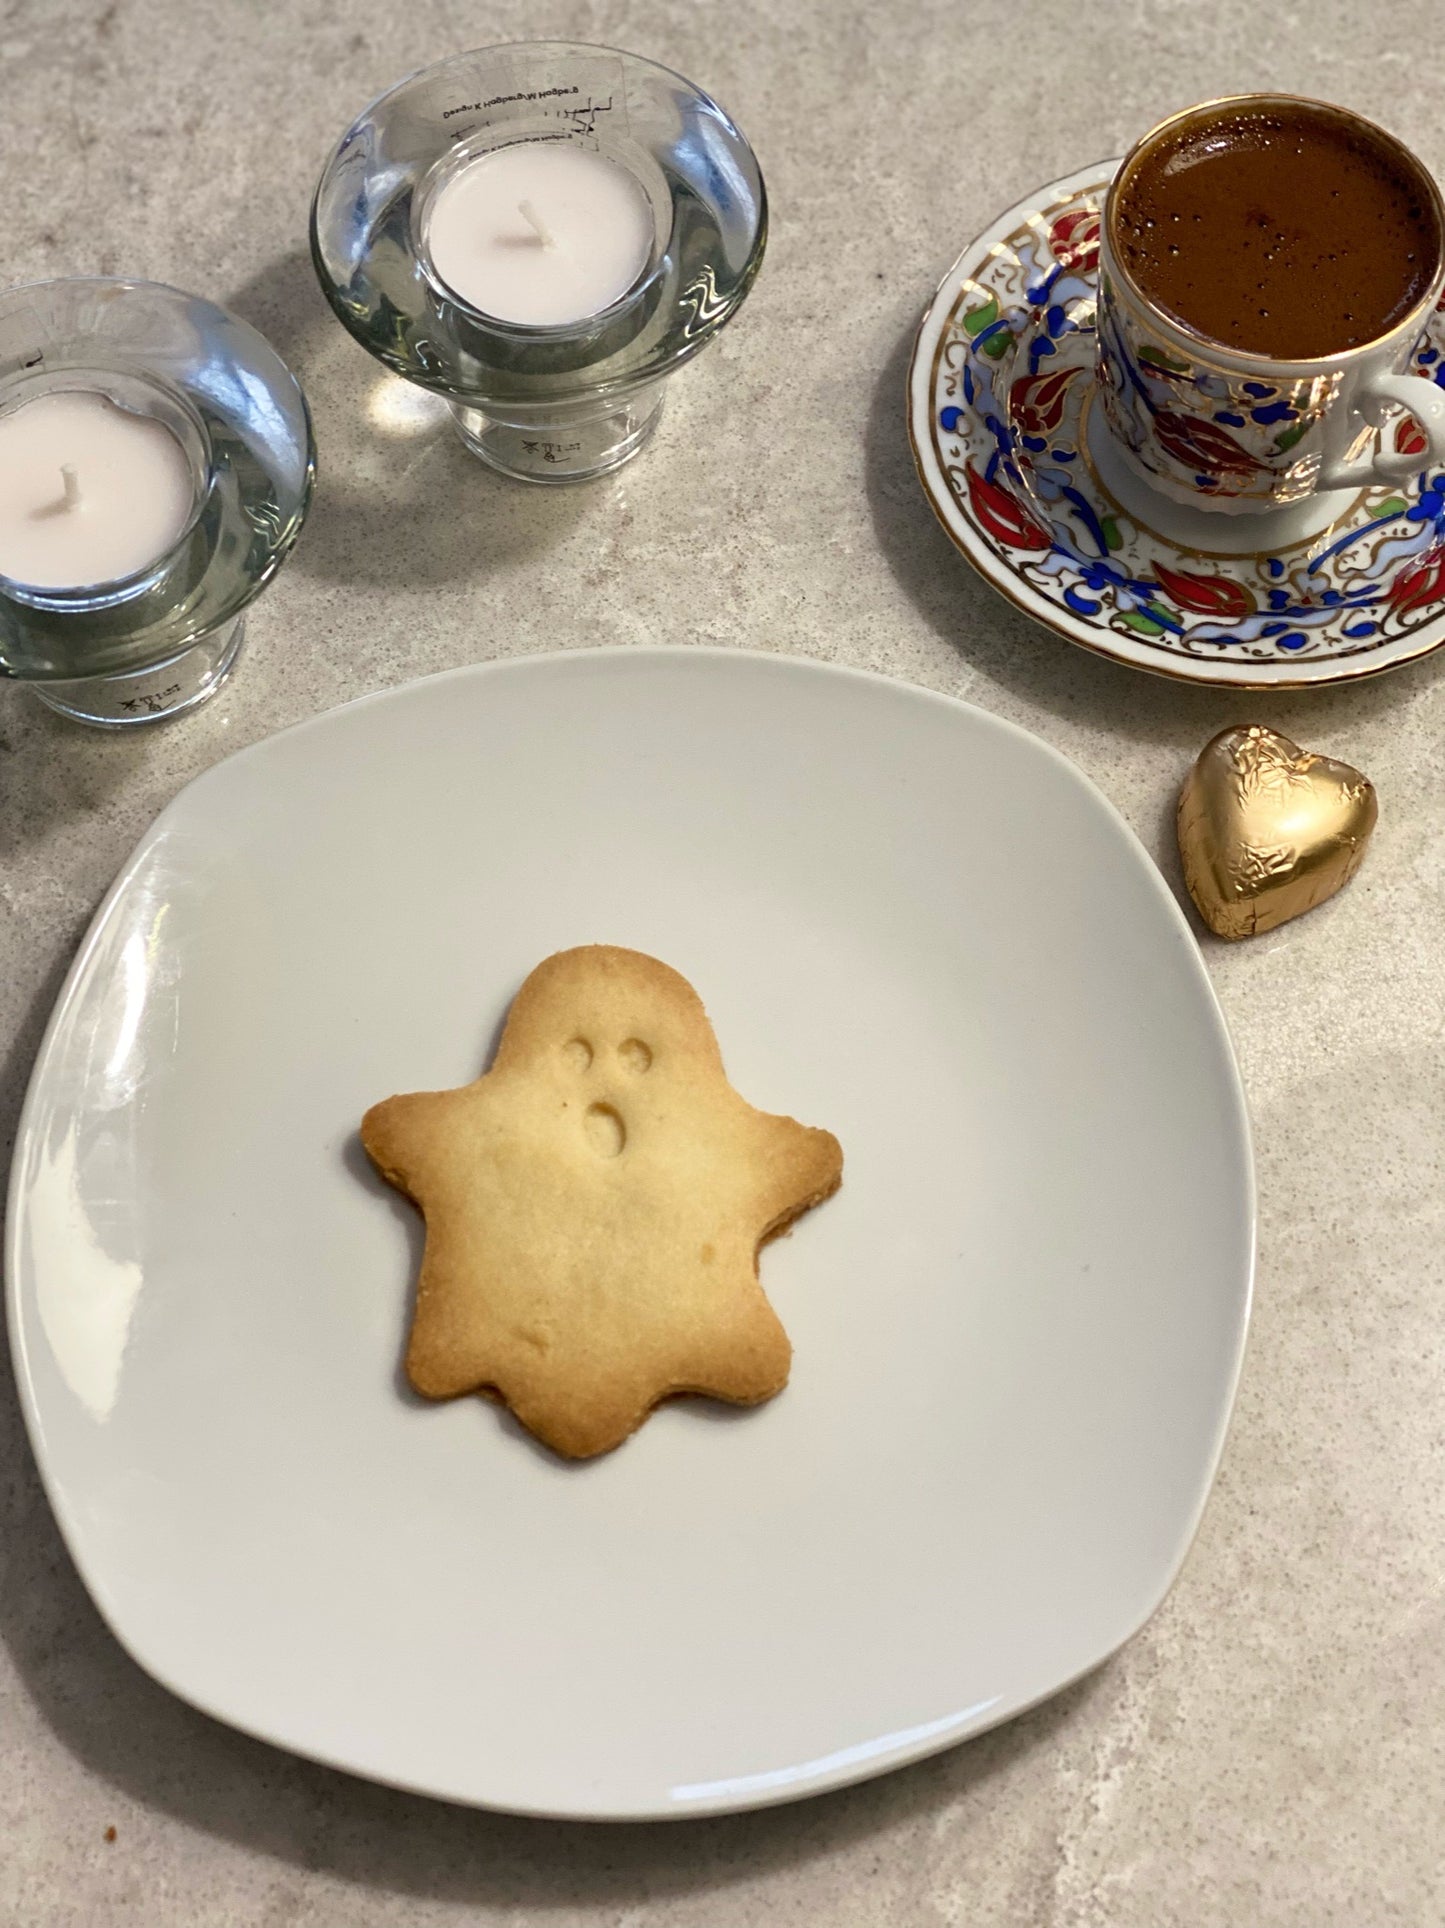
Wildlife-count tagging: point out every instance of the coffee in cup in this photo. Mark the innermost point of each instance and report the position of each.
(1267, 267)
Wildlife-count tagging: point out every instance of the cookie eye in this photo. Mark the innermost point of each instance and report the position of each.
(606, 1133)
(578, 1053)
(635, 1055)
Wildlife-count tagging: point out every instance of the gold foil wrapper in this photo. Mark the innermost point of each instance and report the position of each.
(1267, 830)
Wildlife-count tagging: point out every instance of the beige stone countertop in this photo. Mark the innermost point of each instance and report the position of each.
(1271, 1748)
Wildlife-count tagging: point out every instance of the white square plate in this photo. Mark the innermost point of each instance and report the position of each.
(1017, 1328)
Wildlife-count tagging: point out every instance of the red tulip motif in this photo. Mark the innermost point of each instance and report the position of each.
(1074, 240)
(1036, 402)
(1005, 519)
(1420, 586)
(1410, 437)
(1202, 446)
(1213, 596)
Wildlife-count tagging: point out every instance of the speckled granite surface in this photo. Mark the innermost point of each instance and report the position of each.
(1271, 1750)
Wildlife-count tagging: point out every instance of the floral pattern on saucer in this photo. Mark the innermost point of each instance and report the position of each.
(1001, 382)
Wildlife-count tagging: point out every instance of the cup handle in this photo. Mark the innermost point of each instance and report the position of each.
(1425, 400)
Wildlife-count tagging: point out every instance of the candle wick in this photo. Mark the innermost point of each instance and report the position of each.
(68, 499)
(534, 221)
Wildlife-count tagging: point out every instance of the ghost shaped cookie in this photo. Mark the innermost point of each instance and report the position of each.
(594, 1208)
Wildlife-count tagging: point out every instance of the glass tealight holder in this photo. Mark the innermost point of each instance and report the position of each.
(150, 644)
(541, 403)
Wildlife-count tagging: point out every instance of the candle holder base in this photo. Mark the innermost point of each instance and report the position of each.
(584, 443)
(152, 695)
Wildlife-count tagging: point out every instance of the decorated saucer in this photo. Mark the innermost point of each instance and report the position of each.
(1000, 396)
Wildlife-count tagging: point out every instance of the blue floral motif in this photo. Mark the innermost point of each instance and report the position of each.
(1429, 505)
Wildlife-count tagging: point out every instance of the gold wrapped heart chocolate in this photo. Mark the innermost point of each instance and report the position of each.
(1268, 830)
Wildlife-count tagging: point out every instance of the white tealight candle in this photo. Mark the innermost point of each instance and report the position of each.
(539, 232)
(88, 491)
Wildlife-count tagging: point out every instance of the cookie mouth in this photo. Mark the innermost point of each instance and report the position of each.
(605, 1129)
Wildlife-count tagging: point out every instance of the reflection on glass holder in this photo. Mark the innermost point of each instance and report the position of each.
(555, 403)
(152, 644)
